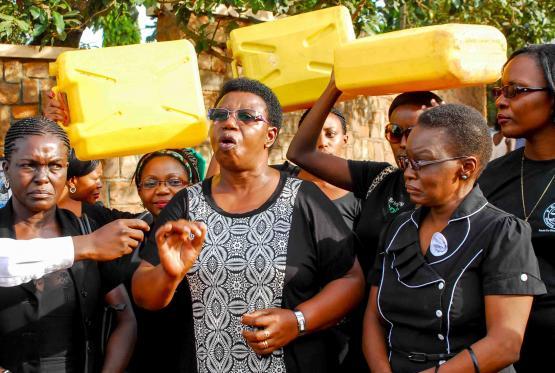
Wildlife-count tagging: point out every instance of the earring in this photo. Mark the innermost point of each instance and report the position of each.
(464, 177)
(72, 189)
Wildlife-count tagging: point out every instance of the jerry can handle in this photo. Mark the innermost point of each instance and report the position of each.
(234, 68)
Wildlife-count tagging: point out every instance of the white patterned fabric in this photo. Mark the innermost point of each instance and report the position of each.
(241, 269)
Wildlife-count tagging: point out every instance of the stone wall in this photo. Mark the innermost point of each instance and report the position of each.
(24, 82)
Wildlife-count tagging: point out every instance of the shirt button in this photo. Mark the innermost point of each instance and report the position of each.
(440, 337)
(440, 286)
(524, 277)
(84, 293)
(439, 313)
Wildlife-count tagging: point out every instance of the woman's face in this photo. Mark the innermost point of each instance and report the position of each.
(434, 184)
(87, 188)
(527, 113)
(405, 116)
(332, 139)
(37, 172)
(162, 168)
(238, 145)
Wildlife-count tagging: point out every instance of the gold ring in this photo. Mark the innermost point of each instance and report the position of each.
(265, 344)
(267, 334)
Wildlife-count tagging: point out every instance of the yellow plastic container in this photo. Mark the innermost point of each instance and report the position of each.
(293, 55)
(425, 58)
(132, 99)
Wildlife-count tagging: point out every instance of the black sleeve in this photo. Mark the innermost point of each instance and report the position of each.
(102, 215)
(176, 209)
(510, 266)
(363, 173)
(332, 239)
(112, 273)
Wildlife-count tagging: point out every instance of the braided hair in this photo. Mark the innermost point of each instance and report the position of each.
(187, 158)
(35, 126)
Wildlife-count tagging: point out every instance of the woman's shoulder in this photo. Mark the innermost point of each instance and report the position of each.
(502, 164)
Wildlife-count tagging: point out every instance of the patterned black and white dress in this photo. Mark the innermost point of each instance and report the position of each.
(278, 255)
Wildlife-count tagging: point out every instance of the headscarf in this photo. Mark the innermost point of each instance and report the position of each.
(190, 159)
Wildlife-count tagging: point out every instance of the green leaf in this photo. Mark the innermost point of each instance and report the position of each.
(59, 22)
(38, 30)
(35, 12)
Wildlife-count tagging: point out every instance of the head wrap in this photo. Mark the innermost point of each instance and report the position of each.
(190, 159)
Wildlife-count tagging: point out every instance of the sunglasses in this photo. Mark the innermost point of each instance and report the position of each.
(512, 90)
(245, 116)
(394, 133)
(406, 162)
(174, 182)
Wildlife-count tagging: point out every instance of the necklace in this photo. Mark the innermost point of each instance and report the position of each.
(526, 217)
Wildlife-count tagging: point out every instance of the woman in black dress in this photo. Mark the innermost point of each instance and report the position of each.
(523, 181)
(49, 324)
(276, 264)
(453, 283)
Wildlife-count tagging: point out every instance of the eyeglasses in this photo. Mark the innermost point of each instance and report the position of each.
(394, 133)
(246, 116)
(405, 162)
(174, 182)
(512, 90)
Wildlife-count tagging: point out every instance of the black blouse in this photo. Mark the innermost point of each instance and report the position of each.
(381, 188)
(23, 307)
(434, 303)
(292, 246)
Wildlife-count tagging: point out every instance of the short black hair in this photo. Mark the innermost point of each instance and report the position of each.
(337, 113)
(273, 107)
(467, 130)
(544, 54)
(78, 168)
(417, 98)
(34, 126)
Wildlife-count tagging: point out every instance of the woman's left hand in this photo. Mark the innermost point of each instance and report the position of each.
(276, 328)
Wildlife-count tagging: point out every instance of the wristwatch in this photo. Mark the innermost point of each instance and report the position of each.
(300, 322)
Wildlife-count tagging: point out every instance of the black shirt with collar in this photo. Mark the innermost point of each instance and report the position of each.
(19, 347)
(434, 303)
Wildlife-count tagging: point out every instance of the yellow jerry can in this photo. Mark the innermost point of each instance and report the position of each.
(424, 58)
(132, 99)
(293, 55)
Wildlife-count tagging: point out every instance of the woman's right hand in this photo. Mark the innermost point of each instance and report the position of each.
(57, 109)
(179, 245)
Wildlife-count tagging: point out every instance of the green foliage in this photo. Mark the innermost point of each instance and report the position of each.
(42, 22)
(51, 21)
(120, 25)
(522, 21)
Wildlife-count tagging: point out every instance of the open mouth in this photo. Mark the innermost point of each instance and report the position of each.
(227, 142)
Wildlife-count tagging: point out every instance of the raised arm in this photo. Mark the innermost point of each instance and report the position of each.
(303, 150)
(179, 244)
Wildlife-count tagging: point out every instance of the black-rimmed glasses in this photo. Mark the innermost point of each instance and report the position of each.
(417, 165)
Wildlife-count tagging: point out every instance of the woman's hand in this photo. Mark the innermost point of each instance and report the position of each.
(276, 328)
(179, 245)
(57, 109)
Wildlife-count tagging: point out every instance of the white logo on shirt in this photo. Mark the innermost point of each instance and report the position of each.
(549, 216)
(438, 246)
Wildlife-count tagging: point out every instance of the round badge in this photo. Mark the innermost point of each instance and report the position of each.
(438, 246)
